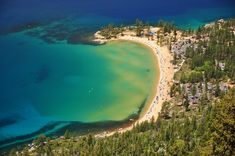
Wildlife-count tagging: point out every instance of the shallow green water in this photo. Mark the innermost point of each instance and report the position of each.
(60, 82)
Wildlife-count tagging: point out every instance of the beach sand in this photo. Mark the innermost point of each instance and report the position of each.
(162, 90)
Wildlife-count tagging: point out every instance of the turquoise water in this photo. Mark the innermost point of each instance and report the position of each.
(43, 83)
(49, 78)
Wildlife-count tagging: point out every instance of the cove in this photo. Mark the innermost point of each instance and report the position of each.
(45, 83)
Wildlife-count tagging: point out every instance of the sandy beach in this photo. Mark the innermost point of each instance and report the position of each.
(162, 88)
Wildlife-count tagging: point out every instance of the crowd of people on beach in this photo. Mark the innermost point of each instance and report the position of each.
(162, 89)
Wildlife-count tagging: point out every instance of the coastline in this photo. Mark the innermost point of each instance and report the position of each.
(158, 94)
(164, 99)
(163, 57)
(123, 124)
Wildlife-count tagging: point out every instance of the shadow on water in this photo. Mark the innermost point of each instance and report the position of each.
(75, 128)
(8, 121)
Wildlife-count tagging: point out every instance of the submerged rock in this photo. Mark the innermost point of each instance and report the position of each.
(42, 74)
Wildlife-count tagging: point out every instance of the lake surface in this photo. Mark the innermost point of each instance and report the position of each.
(90, 13)
(50, 77)
(43, 83)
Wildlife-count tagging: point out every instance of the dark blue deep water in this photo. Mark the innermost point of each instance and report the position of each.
(69, 21)
(99, 12)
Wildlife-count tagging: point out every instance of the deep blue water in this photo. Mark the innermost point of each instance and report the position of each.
(68, 20)
(96, 13)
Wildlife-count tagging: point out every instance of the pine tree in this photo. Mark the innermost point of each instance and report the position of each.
(139, 27)
(217, 90)
(186, 103)
(194, 90)
(224, 125)
(66, 134)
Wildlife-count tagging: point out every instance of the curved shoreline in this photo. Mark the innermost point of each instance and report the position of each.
(153, 91)
(123, 124)
(161, 91)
